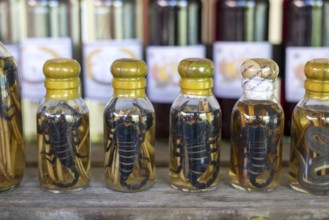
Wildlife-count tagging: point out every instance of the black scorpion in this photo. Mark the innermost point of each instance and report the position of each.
(197, 136)
(63, 138)
(7, 80)
(317, 140)
(260, 141)
(127, 136)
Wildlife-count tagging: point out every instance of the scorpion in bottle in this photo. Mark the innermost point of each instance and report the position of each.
(195, 142)
(256, 144)
(61, 133)
(125, 138)
(11, 144)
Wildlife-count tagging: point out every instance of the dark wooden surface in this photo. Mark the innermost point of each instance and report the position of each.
(159, 202)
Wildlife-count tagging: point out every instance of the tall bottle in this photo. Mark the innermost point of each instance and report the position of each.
(129, 126)
(50, 30)
(241, 33)
(305, 37)
(195, 129)
(63, 130)
(111, 29)
(174, 34)
(12, 148)
(308, 170)
(257, 129)
(10, 30)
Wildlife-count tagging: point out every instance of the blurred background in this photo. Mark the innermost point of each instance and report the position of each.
(162, 32)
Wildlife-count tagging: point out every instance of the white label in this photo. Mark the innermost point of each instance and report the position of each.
(98, 57)
(228, 57)
(34, 53)
(163, 77)
(296, 58)
(13, 49)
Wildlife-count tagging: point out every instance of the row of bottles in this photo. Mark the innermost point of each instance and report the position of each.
(96, 32)
(257, 124)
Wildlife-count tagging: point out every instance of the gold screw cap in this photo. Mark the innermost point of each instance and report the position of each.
(129, 74)
(196, 74)
(317, 74)
(61, 73)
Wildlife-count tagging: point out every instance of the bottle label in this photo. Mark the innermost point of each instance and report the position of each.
(34, 53)
(228, 57)
(163, 77)
(296, 58)
(98, 57)
(13, 49)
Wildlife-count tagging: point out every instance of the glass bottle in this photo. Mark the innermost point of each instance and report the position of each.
(63, 130)
(129, 129)
(174, 34)
(12, 148)
(257, 129)
(305, 37)
(308, 170)
(241, 33)
(111, 29)
(195, 129)
(50, 29)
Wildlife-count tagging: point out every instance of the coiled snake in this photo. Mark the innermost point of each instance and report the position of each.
(317, 140)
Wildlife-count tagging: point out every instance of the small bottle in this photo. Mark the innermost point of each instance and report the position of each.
(195, 129)
(63, 130)
(241, 33)
(129, 129)
(257, 129)
(110, 30)
(305, 37)
(12, 148)
(309, 158)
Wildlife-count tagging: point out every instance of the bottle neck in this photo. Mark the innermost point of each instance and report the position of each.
(129, 93)
(321, 96)
(258, 89)
(197, 92)
(58, 94)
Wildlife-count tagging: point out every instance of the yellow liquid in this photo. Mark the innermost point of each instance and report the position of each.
(129, 152)
(64, 158)
(12, 148)
(256, 144)
(309, 158)
(194, 150)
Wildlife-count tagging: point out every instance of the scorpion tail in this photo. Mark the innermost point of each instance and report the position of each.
(135, 186)
(194, 180)
(68, 185)
(254, 182)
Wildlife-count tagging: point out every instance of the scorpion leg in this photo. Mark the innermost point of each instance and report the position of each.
(180, 155)
(148, 115)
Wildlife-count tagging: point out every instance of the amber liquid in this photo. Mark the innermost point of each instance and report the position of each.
(257, 131)
(64, 158)
(194, 150)
(12, 156)
(129, 150)
(309, 169)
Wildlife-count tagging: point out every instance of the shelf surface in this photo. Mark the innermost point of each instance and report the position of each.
(159, 202)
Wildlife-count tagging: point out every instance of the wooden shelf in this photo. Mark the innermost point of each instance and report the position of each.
(159, 202)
